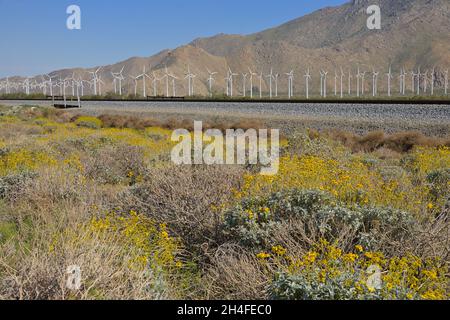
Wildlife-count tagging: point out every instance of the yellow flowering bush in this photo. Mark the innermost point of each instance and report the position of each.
(425, 160)
(352, 181)
(151, 243)
(24, 160)
(326, 272)
(89, 122)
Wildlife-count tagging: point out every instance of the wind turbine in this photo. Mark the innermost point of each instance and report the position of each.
(349, 82)
(100, 82)
(144, 85)
(335, 82)
(418, 81)
(260, 84)
(26, 85)
(321, 82)
(50, 82)
(73, 83)
(325, 74)
(190, 77)
(271, 77)
(114, 83)
(118, 77)
(168, 76)
(363, 81)
(358, 85)
(135, 84)
(342, 83)
(403, 77)
(375, 75)
(244, 82)
(78, 83)
(154, 84)
(95, 79)
(82, 86)
(432, 81)
(290, 84)
(230, 77)
(174, 92)
(251, 82)
(276, 84)
(389, 78)
(211, 80)
(307, 79)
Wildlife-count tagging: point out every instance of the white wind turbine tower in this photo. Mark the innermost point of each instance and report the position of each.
(389, 78)
(100, 82)
(72, 79)
(135, 79)
(325, 74)
(78, 83)
(166, 76)
(174, 88)
(403, 75)
(95, 79)
(363, 82)
(169, 76)
(321, 82)
(154, 84)
(244, 83)
(375, 75)
(349, 82)
(276, 84)
(114, 82)
(50, 82)
(401, 80)
(251, 82)
(190, 77)
(117, 80)
(290, 84)
(335, 82)
(227, 83)
(418, 80)
(121, 78)
(26, 85)
(358, 83)
(44, 86)
(260, 84)
(425, 81)
(342, 83)
(432, 81)
(231, 75)
(82, 86)
(144, 84)
(307, 79)
(271, 77)
(211, 81)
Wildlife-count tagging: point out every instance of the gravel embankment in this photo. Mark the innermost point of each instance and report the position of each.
(360, 118)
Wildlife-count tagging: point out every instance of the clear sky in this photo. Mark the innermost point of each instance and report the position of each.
(34, 38)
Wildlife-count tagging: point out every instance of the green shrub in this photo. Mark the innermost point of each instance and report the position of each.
(253, 221)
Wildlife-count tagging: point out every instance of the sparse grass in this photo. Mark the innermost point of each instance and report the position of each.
(101, 193)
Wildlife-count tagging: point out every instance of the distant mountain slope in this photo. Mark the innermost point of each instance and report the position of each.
(414, 33)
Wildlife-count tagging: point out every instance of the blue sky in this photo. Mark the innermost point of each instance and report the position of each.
(35, 39)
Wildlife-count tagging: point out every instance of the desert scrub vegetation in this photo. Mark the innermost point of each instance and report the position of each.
(102, 194)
